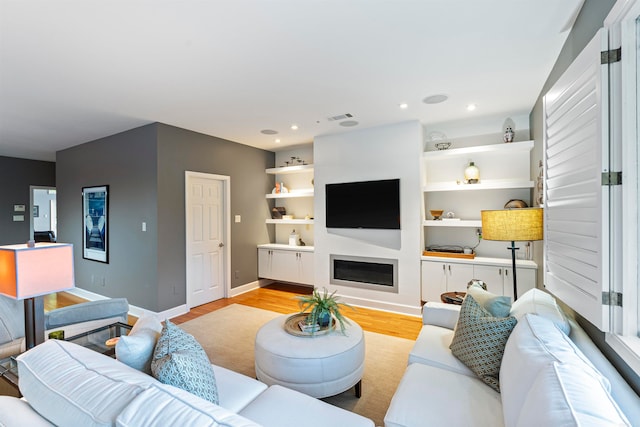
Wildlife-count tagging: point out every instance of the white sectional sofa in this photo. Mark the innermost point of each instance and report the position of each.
(547, 378)
(65, 384)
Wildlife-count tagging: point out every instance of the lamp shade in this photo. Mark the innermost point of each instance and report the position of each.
(512, 224)
(30, 272)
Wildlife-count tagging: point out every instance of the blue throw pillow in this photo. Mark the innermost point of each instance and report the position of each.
(179, 360)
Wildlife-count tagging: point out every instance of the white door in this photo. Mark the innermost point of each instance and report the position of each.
(206, 249)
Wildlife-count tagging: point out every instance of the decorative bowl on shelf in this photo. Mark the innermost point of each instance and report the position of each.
(436, 213)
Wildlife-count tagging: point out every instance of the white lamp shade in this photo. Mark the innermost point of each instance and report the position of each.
(30, 272)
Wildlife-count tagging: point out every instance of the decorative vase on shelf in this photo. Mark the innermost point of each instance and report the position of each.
(472, 174)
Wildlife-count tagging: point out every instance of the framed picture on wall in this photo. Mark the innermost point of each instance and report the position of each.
(95, 240)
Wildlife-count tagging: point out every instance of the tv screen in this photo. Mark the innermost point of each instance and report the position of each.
(367, 204)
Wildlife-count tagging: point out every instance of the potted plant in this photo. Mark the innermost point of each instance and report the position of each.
(323, 308)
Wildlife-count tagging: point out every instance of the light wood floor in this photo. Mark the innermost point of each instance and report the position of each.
(280, 297)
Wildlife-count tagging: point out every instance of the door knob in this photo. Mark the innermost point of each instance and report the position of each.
(220, 244)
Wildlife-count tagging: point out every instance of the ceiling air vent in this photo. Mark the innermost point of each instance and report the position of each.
(340, 117)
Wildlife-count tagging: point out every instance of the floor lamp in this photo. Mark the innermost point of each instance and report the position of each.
(28, 273)
(512, 225)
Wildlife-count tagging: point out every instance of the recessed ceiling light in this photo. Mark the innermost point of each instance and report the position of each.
(294, 127)
(349, 123)
(471, 107)
(435, 99)
(278, 141)
(403, 106)
(269, 131)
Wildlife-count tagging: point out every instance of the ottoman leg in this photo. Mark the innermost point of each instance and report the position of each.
(358, 388)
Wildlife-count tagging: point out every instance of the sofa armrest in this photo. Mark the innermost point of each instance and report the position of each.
(87, 311)
(440, 314)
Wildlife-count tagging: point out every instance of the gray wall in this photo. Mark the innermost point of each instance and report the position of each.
(145, 169)
(16, 175)
(589, 21)
(180, 150)
(126, 162)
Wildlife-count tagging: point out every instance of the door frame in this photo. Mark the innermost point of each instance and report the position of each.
(32, 189)
(226, 228)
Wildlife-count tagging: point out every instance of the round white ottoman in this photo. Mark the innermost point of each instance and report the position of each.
(320, 366)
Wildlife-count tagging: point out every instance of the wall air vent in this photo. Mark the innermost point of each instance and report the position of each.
(340, 117)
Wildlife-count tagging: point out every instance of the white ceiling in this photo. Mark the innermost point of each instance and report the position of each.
(72, 71)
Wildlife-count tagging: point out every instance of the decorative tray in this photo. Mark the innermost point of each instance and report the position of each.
(291, 326)
(449, 254)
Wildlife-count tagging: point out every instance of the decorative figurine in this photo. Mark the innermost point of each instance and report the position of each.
(508, 135)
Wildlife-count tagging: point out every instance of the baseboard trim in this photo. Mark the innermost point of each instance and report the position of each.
(382, 306)
(243, 289)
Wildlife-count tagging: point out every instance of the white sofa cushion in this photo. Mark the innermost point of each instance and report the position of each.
(564, 394)
(66, 384)
(282, 407)
(17, 412)
(163, 405)
(430, 396)
(136, 349)
(432, 348)
(479, 340)
(543, 304)
(235, 391)
(535, 343)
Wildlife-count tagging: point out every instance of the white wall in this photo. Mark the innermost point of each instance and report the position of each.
(385, 152)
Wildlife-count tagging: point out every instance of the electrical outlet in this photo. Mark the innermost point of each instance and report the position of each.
(479, 233)
(237, 274)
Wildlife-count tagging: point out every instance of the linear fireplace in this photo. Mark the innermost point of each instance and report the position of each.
(380, 274)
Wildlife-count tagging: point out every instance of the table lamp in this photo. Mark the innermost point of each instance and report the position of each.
(524, 224)
(28, 273)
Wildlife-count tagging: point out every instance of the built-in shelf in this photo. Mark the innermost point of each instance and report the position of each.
(290, 195)
(284, 247)
(290, 221)
(493, 148)
(473, 223)
(290, 169)
(482, 185)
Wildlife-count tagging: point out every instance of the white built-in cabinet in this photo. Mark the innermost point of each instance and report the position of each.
(286, 263)
(440, 275)
(278, 260)
(504, 175)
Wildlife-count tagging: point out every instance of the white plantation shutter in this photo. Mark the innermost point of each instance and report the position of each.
(576, 203)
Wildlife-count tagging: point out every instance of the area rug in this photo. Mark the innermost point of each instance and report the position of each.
(228, 335)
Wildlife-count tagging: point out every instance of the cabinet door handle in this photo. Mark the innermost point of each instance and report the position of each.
(499, 272)
(444, 268)
(449, 269)
(506, 273)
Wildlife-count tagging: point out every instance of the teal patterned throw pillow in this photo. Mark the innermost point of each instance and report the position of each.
(179, 360)
(479, 340)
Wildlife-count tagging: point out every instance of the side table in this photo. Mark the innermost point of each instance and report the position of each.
(9, 374)
(453, 297)
(96, 339)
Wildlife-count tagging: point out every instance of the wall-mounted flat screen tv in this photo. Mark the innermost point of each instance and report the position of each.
(366, 204)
